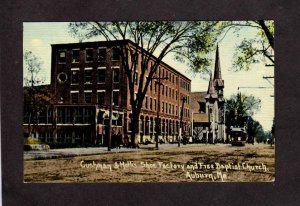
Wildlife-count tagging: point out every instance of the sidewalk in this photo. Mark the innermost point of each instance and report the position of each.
(72, 152)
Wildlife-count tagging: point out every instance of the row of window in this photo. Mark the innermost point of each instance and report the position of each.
(185, 85)
(44, 117)
(169, 92)
(100, 97)
(186, 98)
(75, 115)
(100, 55)
(88, 75)
(166, 108)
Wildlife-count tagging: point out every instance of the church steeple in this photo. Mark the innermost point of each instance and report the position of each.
(217, 74)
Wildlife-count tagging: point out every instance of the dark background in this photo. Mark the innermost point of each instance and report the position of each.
(285, 189)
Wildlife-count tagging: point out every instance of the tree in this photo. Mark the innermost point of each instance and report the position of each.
(36, 97)
(255, 49)
(188, 41)
(254, 129)
(239, 108)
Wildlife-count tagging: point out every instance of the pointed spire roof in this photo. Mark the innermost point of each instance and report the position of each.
(211, 93)
(217, 73)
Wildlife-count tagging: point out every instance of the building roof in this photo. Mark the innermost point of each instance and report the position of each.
(200, 117)
(217, 74)
(197, 97)
(211, 93)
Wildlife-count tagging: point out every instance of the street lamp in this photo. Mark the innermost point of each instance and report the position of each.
(183, 99)
(158, 109)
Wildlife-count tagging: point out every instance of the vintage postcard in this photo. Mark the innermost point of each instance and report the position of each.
(157, 101)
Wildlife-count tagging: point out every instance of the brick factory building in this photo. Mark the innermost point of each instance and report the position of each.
(82, 81)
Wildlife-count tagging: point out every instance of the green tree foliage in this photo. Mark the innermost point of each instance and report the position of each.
(189, 42)
(252, 49)
(239, 108)
(254, 129)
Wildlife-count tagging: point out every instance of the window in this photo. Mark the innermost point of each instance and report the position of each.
(162, 107)
(166, 108)
(173, 109)
(202, 107)
(60, 115)
(101, 97)
(116, 97)
(170, 92)
(116, 74)
(61, 56)
(77, 115)
(87, 76)
(68, 115)
(88, 96)
(89, 55)
(75, 76)
(162, 91)
(62, 77)
(176, 110)
(42, 116)
(102, 55)
(74, 96)
(166, 91)
(150, 103)
(170, 108)
(87, 115)
(146, 102)
(49, 115)
(101, 75)
(115, 54)
(75, 56)
(154, 104)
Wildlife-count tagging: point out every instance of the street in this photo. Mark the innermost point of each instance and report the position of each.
(189, 163)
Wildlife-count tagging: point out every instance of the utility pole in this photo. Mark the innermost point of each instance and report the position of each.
(157, 122)
(183, 99)
(110, 109)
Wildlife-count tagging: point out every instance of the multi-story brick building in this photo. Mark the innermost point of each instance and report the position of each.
(83, 75)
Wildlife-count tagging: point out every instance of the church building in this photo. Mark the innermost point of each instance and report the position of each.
(209, 115)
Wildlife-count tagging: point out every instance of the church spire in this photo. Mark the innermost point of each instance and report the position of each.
(217, 74)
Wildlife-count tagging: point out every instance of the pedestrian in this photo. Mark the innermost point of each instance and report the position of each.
(119, 140)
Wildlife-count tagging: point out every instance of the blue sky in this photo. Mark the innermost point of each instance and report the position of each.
(38, 37)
